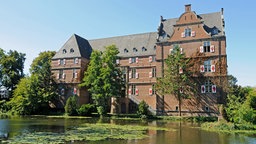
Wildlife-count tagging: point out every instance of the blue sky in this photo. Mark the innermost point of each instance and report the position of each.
(33, 26)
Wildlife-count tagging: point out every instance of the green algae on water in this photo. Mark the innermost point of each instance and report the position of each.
(88, 132)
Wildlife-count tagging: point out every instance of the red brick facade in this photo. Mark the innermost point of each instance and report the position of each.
(140, 84)
(68, 67)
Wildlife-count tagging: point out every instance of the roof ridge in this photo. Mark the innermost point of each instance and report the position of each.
(123, 36)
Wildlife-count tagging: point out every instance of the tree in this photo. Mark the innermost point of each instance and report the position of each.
(20, 101)
(177, 79)
(111, 74)
(143, 109)
(34, 93)
(41, 68)
(241, 103)
(103, 77)
(11, 65)
(92, 78)
(71, 106)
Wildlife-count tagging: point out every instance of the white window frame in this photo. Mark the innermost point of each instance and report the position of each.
(207, 65)
(187, 32)
(207, 46)
(208, 86)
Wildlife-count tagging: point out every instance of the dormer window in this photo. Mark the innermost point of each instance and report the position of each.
(134, 50)
(215, 31)
(72, 50)
(126, 50)
(143, 49)
(64, 51)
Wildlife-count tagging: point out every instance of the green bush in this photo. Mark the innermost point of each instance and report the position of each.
(71, 106)
(100, 110)
(85, 110)
(218, 126)
(143, 109)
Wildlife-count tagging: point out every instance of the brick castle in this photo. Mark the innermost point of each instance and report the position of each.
(141, 58)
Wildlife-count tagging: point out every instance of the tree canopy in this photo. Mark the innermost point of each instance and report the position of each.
(34, 93)
(103, 77)
(241, 103)
(11, 68)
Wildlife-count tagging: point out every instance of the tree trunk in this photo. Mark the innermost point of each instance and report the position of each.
(179, 106)
(114, 106)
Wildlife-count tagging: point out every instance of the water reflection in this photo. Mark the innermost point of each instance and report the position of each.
(185, 133)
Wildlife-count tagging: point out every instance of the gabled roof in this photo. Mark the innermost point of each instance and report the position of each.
(148, 40)
(80, 46)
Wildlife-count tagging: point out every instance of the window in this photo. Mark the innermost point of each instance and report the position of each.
(117, 61)
(154, 72)
(153, 58)
(126, 50)
(207, 66)
(74, 90)
(61, 61)
(132, 60)
(133, 89)
(154, 47)
(215, 31)
(134, 50)
(153, 89)
(143, 49)
(207, 45)
(75, 60)
(187, 32)
(74, 73)
(176, 108)
(206, 108)
(60, 74)
(64, 51)
(208, 86)
(62, 91)
(133, 73)
(123, 69)
(72, 50)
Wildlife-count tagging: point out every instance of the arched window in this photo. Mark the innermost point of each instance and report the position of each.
(134, 49)
(126, 50)
(64, 51)
(143, 49)
(72, 50)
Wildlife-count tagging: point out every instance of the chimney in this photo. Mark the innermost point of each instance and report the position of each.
(188, 8)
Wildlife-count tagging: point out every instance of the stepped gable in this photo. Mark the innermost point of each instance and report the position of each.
(210, 20)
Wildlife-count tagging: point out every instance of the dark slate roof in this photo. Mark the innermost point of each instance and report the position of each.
(148, 40)
(81, 48)
(129, 42)
(213, 20)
